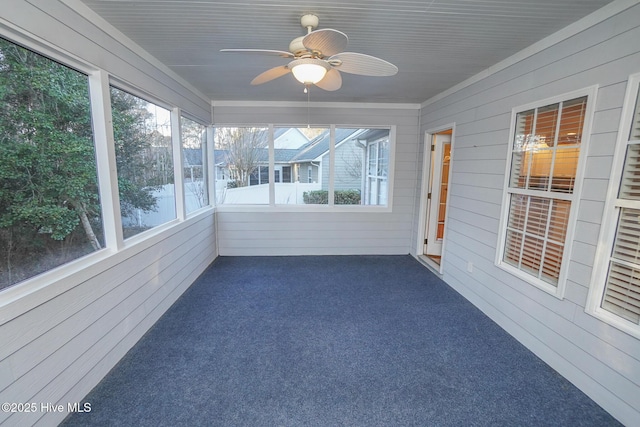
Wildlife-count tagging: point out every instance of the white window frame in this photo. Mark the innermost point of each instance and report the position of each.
(330, 206)
(176, 148)
(574, 197)
(608, 229)
(179, 159)
(282, 169)
(374, 181)
(97, 79)
(31, 292)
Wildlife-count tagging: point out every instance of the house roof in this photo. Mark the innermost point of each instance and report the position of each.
(192, 156)
(320, 144)
(310, 151)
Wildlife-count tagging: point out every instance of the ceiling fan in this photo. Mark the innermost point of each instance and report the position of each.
(318, 57)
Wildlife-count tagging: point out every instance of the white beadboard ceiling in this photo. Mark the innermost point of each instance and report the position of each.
(435, 43)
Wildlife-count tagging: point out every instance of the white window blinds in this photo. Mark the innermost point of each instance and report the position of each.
(622, 291)
(630, 182)
(544, 164)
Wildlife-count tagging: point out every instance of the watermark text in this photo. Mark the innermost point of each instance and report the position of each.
(45, 407)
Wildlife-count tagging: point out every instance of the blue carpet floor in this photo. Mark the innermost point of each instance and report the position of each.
(331, 341)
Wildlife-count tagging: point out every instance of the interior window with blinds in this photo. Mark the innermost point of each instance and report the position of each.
(622, 289)
(544, 162)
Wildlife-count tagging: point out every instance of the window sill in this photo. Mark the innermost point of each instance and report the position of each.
(303, 208)
(615, 321)
(28, 294)
(557, 292)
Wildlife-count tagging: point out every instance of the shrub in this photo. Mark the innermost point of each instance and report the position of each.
(317, 197)
(347, 197)
(342, 197)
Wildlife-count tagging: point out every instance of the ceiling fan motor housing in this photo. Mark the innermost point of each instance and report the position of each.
(309, 20)
(297, 47)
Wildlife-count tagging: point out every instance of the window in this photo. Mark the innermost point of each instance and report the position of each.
(542, 174)
(263, 174)
(144, 159)
(302, 151)
(259, 176)
(378, 161)
(241, 157)
(49, 205)
(311, 166)
(286, 174)
(361, 167)
(615, 290)
(194, 153)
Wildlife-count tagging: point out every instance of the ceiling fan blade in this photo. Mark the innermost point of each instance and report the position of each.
(271, 74)
(331, 81)
(364, 65)
(327, 41)
(281, 53)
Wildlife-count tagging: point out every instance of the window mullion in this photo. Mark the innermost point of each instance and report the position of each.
(542, 193)
(546, 237)
(271, 163)
(528, 149)
(106, 159)
(332, 162)
(524, 233)
(623, 262)
(178, 164)
(555, 148)
(624, 203)
(211, 166)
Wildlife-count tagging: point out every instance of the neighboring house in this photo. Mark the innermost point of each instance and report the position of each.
(192, 163)
(287, 142)
(281, 167)
(361, 163)
(311, 163)
(291, 138)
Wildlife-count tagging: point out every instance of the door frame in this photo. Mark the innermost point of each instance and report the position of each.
(424, 189)
(435, 186)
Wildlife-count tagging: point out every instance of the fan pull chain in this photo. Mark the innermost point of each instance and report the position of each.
(306, 90)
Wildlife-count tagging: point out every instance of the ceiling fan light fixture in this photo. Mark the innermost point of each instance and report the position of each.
(309, 70)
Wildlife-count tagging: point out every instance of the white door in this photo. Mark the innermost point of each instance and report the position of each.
(437, 196)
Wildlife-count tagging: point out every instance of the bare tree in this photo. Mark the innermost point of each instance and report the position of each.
(199, 190)
(352, 157)
(243, 149)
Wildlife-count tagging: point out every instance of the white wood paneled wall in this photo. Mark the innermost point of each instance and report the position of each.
(58, 351)
(603, 361)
